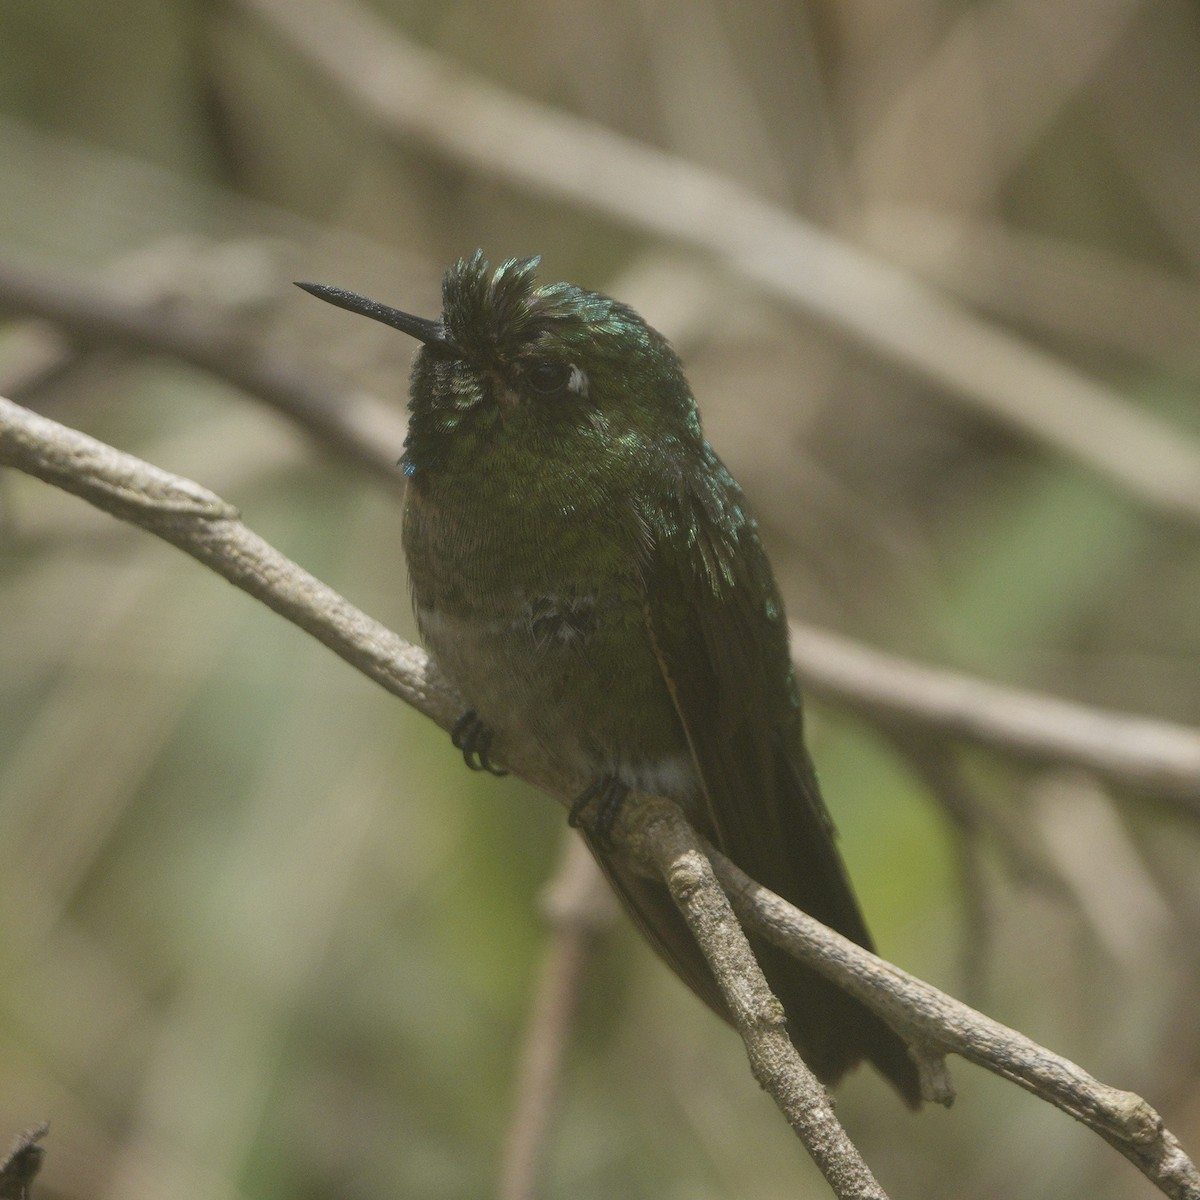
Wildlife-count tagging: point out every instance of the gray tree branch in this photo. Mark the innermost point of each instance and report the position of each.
(1135, 752)
(656, 833)
(354, 425)
(578, 907)
(22, 1163)
(926, 1016)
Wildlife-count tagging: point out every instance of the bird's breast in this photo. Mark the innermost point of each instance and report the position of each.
(545, 636)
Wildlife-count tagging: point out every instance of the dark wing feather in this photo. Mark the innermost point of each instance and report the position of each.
(716, 623)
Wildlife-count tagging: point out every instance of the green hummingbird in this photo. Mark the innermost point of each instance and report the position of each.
(588, 574)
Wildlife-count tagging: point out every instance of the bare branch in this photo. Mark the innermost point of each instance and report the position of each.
(655, 831)
(928, 1017)
(1062, 287)
(353, 424)
(1136, 752)
(204, 526)
(1044, 61)
(935, 766)
(578, 907)
(22, 1163)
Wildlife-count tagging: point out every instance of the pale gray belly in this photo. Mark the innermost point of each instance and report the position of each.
(540, 673)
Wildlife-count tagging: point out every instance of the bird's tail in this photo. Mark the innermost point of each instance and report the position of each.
(831, 1029)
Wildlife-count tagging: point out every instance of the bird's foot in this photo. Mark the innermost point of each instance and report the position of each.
(607, 793)
(474, 739)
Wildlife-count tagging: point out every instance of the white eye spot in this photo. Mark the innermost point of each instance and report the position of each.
(554, 378)
(577, 382)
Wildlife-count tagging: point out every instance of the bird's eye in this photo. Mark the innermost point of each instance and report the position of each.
(549, 378)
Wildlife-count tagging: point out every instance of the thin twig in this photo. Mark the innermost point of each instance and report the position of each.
(655, 831)
(928, 1017)
(1048, 283)
(1135, 752)
(578, 907)
(206, 527)
(356, 425)
(22, 1163)
(420, 97)
(936, 768)
(200, 523)
(1044, 61)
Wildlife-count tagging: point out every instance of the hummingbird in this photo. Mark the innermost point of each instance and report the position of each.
(588, 574)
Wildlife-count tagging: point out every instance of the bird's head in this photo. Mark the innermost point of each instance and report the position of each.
(513, 369)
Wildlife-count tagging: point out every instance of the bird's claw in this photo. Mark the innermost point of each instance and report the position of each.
(474, 739)
(607, 794)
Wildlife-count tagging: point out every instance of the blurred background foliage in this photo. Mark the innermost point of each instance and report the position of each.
(261, 935)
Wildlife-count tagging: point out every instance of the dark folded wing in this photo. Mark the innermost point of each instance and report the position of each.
(716, 623)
